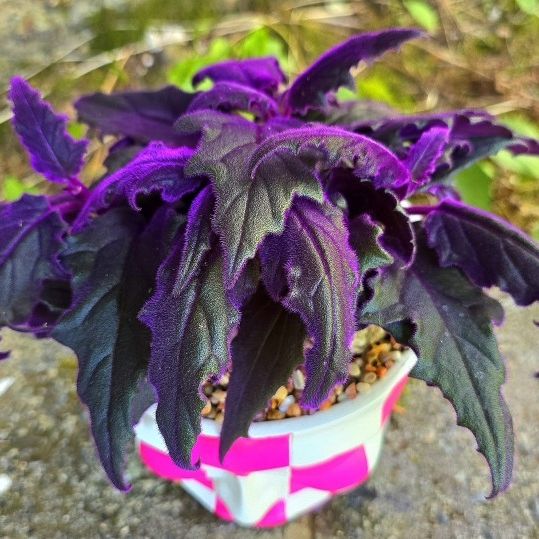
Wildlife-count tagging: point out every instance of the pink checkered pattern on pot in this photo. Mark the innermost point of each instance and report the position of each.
(287, 467)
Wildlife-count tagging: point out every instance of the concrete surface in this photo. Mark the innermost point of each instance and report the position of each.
(430, 482)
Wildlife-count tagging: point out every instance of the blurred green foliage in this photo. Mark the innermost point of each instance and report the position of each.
(260, 42)
(423, 13)
(13, 188)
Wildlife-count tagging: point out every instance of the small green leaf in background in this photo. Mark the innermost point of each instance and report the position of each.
(525, 166)
(181, 74)
(380, 83)
(474, 185)
(76, 129)
(12, 188)
(424, 14)
(345, 94)
(521, 124)
(264, 42)
(531, 7)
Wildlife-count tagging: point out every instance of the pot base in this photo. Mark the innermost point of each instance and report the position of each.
(287, 467)
(306, 489)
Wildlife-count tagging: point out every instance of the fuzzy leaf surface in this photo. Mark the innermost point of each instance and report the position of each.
(113, 262)
(30, 239)
(262, 74)
(268, 346)
(424, 155)
(53, 152)
(456, 347)
(144, 116)
(382, 206)
(332, 69)
(490, 251)
(156, 168)
(231, 96)
(191, 334)
(332, 147)
(322, 276)
(248, 206)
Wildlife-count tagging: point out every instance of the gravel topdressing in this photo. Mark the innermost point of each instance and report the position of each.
(375, 351)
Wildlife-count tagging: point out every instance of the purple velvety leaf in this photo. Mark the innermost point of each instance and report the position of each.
(396, 130)
(332, 69)
(121, 153)
(456, 347)
(322, 275)
(155, 168)
(230, 96)
(335, 148)
(144, 116)
(523, 145)
(382, 206)
(198, 239)
(248, 207)
(53, 152)
(273, 261)
(277, 124)
(262, 74)
(424, 155)
(55, 298)
(268, 346)
(114, 262)
(349, 113)
(30, 239)
(488, 250)
(365, 240)
(473, 135)
(191, 334)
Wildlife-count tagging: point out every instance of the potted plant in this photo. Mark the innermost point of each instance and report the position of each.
(237, 242)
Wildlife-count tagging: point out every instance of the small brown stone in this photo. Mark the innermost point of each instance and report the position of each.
(207, 409)
(325, 405)
(218, 396)
(280, 395)
(351, 391)
(294, 410)
(275, 414)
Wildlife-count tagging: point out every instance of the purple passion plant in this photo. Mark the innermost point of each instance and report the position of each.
(235, 223)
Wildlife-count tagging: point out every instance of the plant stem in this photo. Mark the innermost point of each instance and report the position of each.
(420, 210)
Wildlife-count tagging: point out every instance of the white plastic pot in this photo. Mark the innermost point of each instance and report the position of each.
(286, 467)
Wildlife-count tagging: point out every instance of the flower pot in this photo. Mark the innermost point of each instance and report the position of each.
(286, 467)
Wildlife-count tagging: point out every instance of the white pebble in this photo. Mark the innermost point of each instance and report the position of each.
(5, 483)
(5, 384)
(283, 407)
(298, 379)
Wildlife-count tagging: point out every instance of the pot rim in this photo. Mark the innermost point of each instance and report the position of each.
(321, 419)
